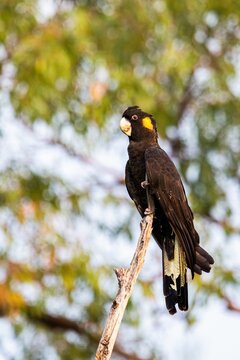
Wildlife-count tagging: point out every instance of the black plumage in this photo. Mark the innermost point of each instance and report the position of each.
(173, 227)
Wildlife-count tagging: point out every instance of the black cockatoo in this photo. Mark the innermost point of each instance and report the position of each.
(173, 227)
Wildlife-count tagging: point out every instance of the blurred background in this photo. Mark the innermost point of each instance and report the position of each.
(68, 69)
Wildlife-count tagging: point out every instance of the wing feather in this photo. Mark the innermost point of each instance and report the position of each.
(166, 185)
(133, 190)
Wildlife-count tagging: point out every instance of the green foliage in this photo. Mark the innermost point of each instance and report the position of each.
(73, 73)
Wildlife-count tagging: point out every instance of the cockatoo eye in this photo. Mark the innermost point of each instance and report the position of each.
(134, 117)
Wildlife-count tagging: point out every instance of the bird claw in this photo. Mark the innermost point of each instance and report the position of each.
(144, 184)
(148, 211)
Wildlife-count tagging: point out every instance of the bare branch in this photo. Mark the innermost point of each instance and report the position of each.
(186, 97)
(126, 280)
(230, 305)
(56, 141)
(82, 329)
(62, 323)
(226, 225)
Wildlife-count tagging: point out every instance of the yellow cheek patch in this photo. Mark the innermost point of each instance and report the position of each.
(147, 123)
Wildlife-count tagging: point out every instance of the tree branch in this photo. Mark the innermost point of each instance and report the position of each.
(55, 140)
(230, 305)
(126, 280)
(226, 225)
(87, 330)
(186, 97)
(62, 323)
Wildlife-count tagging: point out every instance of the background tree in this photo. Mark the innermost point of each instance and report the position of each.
(68, 70)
